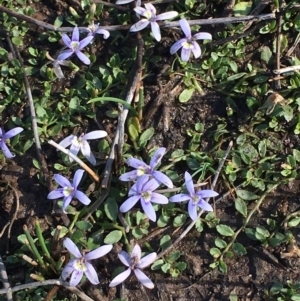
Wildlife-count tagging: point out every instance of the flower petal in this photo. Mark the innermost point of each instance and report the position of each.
(157, 156)
(136, 163)
(140, 10)
(82, 197)
(105, 33)
(71, 247)
(139, 25)
(189, 183)
(205, 206)
(181, 197)
(150, 8)
(202, 36)
(196, 50)
(77, 177)
(145, 280)
(192, 209)
(86, 151)
(67, 201)
(68, 269)
(67, 41)
(125, 258)
(159, 198)
(167, 15)
(147, 260)
(120, 278)
(185, 26)
(62, 181)
(67, 141)
(136, 252)
(177, 45)
(91, 273)
(141, 183)
(150, 185)
(55, 194)
(129, 203)
(12, 133)
(7, 153)
(129, 176)
(95, 135)
(85, 42)
(65, 54)
(162, 178)
(207, 193)
(123, 1)
(76, 277)
(74, 149)
(156, 31)
(149, 210)
(83, 57)
(99, 252)
(75, 34)
(185, 54)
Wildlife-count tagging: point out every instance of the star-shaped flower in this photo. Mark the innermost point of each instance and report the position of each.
(5, 136)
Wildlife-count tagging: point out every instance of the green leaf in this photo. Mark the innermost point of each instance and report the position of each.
(222, 266)
(157, 265)
(215, 253)
(220, 243)
(145, 137)
(241, 207)
(113, 237)
(111, 209)
(246, 195)
(294, 222)
(295, 297)
(133, 132)
(165, 241)
(239, 249)
(224, 230)
(233, 296)
(83, 225)
(179, 220)
(166, 267)
(242, 8)
(236, 76)
(288, 113)
(186, 94)
(17, 41)
(58, 21)
(181, 266)
(173, 256)
(296, 155)
(266, 54)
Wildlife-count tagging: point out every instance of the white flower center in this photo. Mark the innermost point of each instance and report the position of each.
(196, 198)
(79, 265)
(134, 261)
(67, 191)
(141, 171)
(74, 45)
(188, 44)
(147, 195)
(148, 15)
(77, 141)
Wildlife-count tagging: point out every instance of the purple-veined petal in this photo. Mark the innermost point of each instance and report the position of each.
(68, 269)
(67, 41)
(120, 278)
(207, 193)
(196, 50)
(62, 181)
(181, 197)
(129, 203)
(91, 158)
(91, 274)
(192, 209)
(136, 163)
(177, 45)
(159, 198)
(156, 31)
(71, 247)
(99, 252)
(205, 206)
(132, 191)
(149, 185)
(55, 194)
(140, 10)
(123, 1)
(80, 196)
(149, 210)
(162, 178)
(147, 260)
(85, 42)
(125, 258)
(7, 153)
(12, 133)
(185, 26)
(202, 36)
(129, 176)
(75, 34)
(189, 183)
(83, 57)
(151, 8)
(74, 149)
(185, 54)
(86, 151)
(141, 183)
(67, 201)
(105, 33)
(145, 280)
(139, 25)
(167, 15)
(67, 141)
(77, 177)
(94, 135)
(136, 252)
(64, 55)
(76, 277)
(157, 156)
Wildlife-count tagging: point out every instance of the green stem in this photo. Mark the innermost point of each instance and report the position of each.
(74, 221)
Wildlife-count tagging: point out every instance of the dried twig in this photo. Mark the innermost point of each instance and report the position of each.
(5, 281)
(287, 69)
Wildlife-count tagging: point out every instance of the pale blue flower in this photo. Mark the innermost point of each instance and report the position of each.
(196, 199)
(69, 191)
(80, 264)
(5, 136)
(95, 29)
(135, 263)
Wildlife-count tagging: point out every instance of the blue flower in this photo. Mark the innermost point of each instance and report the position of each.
(8, 135)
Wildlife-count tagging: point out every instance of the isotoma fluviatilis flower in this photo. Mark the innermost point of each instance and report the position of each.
(75, 46)
(80, 264)
(196, 199)
(5, 136)
(143, 190)
(69, 191)
(95, 29)
(82, 144)
(142, 168)
(189, 43)
(135, 263)
(149, 15)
